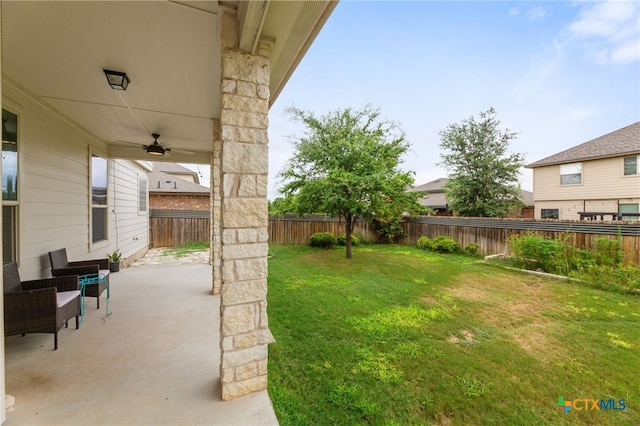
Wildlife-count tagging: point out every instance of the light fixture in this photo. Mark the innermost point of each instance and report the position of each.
(155, 149)
(117, 80)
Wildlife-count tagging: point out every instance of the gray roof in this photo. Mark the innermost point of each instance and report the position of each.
(621, 142)
(431, 187)
(174, 169)
(436, 199)
(161, 182)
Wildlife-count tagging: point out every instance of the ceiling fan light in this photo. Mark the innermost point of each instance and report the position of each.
(155, 149)
(117, 80)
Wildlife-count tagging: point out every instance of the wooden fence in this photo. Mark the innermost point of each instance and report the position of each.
(169, 231)
(490, 234)
(297, 230)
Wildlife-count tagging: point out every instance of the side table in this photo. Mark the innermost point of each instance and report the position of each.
(92, 279)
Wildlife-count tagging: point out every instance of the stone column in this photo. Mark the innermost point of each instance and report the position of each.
(244, 331)
(215, 226)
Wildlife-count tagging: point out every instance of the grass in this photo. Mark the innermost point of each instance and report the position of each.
(183, 250)
(400, 336)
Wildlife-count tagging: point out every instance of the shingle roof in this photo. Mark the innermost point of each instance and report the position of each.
(617, 143)
(174, 169)
(431, 187)
(436, 199)
(164, 182)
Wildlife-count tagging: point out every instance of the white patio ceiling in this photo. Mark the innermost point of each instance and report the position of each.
(56, 51)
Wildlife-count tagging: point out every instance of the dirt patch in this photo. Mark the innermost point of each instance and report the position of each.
(514, 304)
(467, 337)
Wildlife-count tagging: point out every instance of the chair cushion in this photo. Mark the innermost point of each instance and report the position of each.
(65, 297)
(104, 272)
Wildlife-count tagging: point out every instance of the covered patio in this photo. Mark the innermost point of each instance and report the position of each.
(154, 360)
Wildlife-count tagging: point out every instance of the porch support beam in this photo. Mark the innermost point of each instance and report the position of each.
(244, 331)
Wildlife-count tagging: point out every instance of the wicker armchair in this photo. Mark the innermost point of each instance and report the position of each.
(60, 266)
(39, 306)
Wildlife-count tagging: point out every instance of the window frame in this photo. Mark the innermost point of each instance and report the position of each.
(13, 206)
(557, 214)
(141, 203)
(637, 172)
(579, 164)
(102, 242)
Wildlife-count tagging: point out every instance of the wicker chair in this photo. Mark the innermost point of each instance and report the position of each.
(39, 306)
(60, 266)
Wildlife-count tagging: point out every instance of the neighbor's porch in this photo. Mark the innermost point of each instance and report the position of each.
(144, 364)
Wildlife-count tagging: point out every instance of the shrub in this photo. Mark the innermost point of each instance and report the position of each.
(424, 243)
(342, 240)
(323, 240)
(607, 252)
(389, 229)
(472, 249)
(440, 244)
(444, 244)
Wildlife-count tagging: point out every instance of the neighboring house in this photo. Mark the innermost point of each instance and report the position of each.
(200, 74)
(437, 201)
(173, 187)
(595, 180)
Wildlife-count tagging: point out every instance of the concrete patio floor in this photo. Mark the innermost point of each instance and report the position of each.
(154, 361)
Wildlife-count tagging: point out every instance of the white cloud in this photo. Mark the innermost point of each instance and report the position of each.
(514, 11)
(535, 13)
(610, 31)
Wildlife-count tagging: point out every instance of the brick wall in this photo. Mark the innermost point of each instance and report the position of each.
(179, 202)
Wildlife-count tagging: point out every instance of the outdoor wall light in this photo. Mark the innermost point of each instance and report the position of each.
(117, 80)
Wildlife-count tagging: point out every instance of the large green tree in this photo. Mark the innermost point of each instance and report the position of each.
(483, 175)
(347, 165)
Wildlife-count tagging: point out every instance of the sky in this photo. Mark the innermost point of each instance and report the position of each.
(558, 73)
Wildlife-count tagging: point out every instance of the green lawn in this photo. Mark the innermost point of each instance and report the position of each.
(401, 336)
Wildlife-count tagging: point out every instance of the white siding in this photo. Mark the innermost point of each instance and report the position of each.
(54, 191)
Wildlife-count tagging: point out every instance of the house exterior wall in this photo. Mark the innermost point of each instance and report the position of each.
(54, 190)
(603, 187)
(199, 202)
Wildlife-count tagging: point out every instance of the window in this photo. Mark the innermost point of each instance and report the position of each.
(9, 186)
(631, 165)
(550, 214)
(571, 174)
(142, 195)
(629, 208)
(98, 198)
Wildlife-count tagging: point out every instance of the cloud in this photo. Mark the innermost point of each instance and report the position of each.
(535, 13)
(514, 11)
(609, 31)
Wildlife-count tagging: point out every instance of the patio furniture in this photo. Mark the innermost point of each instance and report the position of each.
(89, 281)
(39, 306)
(60, 266)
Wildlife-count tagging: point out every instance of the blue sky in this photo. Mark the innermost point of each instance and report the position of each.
(558, 73)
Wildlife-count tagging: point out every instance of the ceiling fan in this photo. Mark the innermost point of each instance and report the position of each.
(155, 148)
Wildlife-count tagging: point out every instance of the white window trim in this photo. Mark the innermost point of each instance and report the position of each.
(146, 210)
(637, 166)
(102, 243)
(567, 174)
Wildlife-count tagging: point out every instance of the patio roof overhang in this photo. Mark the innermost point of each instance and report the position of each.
(171, 51)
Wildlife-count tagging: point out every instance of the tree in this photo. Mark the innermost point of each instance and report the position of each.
(483, 176)
(347, 165)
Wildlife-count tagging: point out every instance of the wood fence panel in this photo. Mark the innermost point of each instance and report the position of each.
(175, 231)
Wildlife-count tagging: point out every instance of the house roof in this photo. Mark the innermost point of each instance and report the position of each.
(615, 144)
(176, 169)
(437, 199)
(163, 182)
(433, 186)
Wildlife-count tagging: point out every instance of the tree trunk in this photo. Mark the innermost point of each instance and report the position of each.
(349, 231)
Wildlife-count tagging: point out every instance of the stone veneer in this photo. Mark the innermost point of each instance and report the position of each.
(242, 196)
